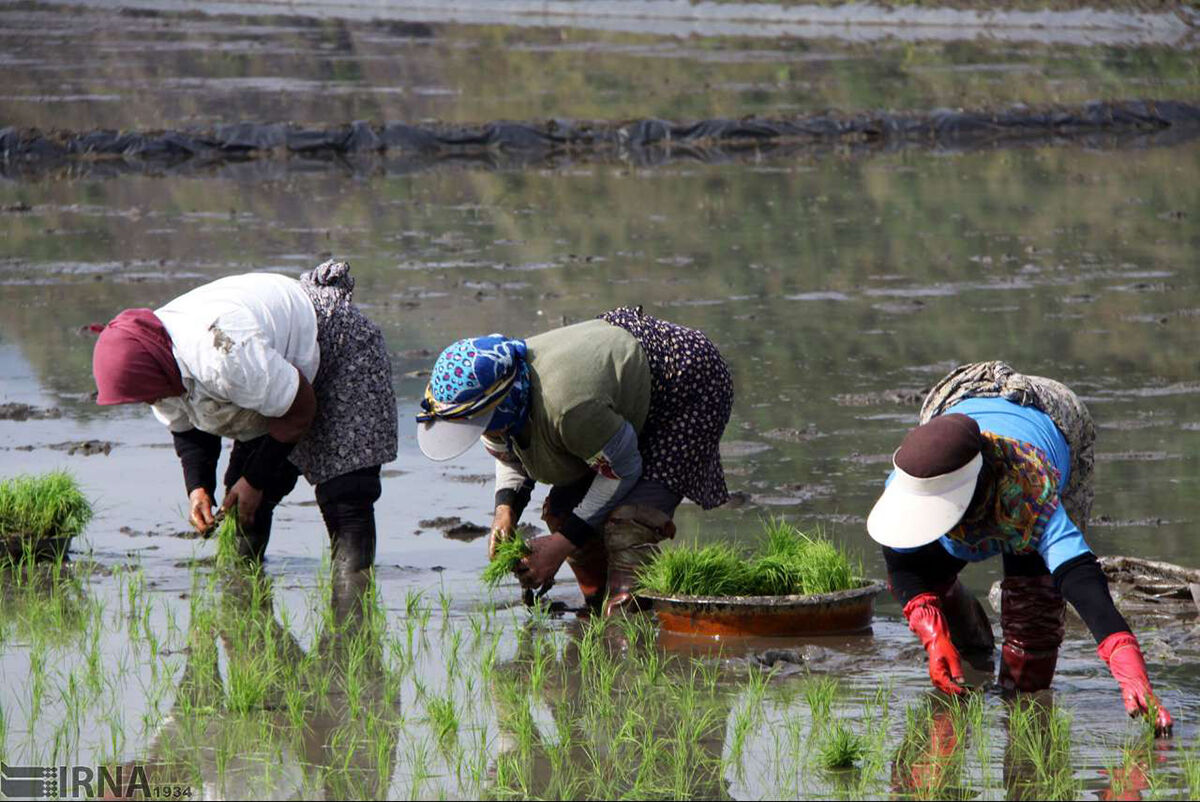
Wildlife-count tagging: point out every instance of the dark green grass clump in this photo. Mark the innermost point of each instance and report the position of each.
(841, 748)
(508, 554)
(36, 507)
(788, 563)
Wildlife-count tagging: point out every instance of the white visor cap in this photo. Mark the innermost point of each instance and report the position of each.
(913, 511)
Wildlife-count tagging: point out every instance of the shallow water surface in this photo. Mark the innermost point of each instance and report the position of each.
(839, 285)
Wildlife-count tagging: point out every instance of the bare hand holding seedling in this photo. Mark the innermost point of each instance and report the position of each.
(201, 512)
(547, 553)
(504, 526)
(247, 498)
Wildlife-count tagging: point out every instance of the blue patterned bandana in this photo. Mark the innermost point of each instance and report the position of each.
(475, 377)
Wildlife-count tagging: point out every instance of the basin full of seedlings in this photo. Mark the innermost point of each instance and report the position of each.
(40, 515)
(793, 584)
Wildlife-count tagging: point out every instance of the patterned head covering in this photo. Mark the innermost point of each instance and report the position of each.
(484, 376)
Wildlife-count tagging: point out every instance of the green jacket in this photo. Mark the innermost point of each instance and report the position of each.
(586, 381)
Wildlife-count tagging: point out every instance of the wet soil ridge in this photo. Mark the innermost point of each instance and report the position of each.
(646, 140)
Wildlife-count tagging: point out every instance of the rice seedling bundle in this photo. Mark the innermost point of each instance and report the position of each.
(841, 748)
(789, 562)
(36, 507)
(508, 554)
(227, 532)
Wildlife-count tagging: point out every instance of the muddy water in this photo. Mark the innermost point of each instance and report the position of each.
(838, 287)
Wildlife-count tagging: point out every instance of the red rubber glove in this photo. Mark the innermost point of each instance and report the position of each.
(924, 614)
(1124, 657)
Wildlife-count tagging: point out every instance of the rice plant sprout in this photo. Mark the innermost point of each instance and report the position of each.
(38, 508)
(841, 747)
(227, 532)
(788, 562)
(508, 554)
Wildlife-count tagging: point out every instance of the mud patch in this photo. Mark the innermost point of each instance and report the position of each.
(455, 528)
(792, 495)
(1105, 520)
(794, 435)
(182, 534)
(22, 412)
(470, 478)
(737, 449)
(85, 448)
(1136, 456)
(1129, 425)
(869, 459)
(221, 341)
(905, 396)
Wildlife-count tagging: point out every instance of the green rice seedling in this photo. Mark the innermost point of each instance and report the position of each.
(508, 554)
(47, 506)
(820, 694)
(442, 714)
(713, 570)
(841, 747)
(444, 600)
(788, 562)
(930, 759)
(749, 715)
(745, 718)
(418, 763)
(47, 603)
(227, 533)
(1190, 760)
(250, 682)
(1038, 757)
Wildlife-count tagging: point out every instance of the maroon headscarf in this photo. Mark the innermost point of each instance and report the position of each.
(133, 360)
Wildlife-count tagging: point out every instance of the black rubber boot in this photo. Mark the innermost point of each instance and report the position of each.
(970, 629)
(348, 506)
(252, 541)
(351, 536)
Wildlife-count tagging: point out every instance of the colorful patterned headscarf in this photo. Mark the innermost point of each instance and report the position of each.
(1020, 505)
(480, 376)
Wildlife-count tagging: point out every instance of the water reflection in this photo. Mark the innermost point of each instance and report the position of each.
(838, 288)
(946, 751)
(598, 712)
(86, 67)
(261, 717)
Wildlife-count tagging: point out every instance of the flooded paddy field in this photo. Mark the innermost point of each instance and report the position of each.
(839, 283)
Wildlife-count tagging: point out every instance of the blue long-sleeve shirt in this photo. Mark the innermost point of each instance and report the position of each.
(1061, 539)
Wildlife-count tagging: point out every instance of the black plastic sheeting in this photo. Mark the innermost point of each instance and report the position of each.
(397, 147)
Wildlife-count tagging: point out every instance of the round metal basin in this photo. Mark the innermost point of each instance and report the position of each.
(768, 616)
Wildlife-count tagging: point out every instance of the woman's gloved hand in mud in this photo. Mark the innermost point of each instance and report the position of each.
(548, 552)
(1123, 655)
(200, 514)
(924, 614)
(504, 527)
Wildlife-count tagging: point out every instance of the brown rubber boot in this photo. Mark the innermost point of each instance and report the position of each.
(1032, 617)
(631, 537)
(590, 565)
